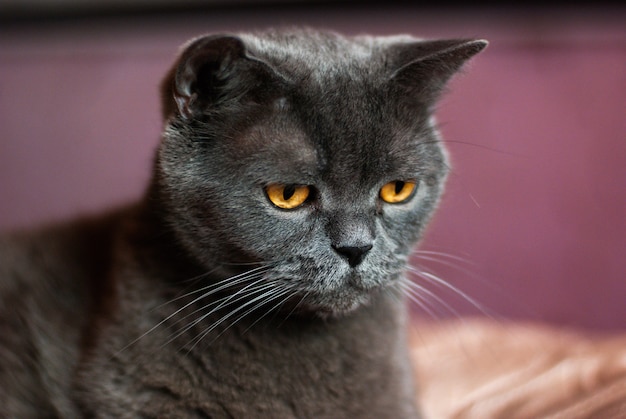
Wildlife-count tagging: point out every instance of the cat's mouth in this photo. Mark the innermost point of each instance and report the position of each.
(353, 292)
(306, 286)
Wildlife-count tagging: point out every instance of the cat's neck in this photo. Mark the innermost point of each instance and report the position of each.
(151, 244)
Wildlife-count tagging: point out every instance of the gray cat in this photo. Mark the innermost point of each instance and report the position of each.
(261, 276)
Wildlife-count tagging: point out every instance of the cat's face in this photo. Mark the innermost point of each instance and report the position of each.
(311, 155)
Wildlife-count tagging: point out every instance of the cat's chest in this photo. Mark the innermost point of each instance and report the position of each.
(283, 368)
(294, 369)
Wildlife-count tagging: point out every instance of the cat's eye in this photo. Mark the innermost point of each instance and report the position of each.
(398, 191)
(287, 196)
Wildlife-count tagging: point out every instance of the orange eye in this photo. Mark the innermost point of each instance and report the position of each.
(398, 191)
(287, 196)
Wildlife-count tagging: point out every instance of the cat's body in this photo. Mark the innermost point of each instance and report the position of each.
(294, 367)
(218, 296)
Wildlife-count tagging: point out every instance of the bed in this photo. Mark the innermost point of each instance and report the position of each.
(483, 369)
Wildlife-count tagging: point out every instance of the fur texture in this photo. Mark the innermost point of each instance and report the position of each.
(208, 300)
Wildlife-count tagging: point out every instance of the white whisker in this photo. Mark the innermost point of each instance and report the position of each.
(219, 304)
(225, 283)
(277, 293)
(442, 255)
(294, 308)
(271, 310)
(438, 281)
(427, 297)
(219, 286)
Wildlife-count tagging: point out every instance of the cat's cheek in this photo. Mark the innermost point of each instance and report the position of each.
(278, 233)
(403, 223)
(398, 218)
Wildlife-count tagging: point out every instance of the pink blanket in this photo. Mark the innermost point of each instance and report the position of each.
(482, 369)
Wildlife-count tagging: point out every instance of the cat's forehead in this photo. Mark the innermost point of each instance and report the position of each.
(277, 149)
(331, 142)
(310, 55)
(337, 118)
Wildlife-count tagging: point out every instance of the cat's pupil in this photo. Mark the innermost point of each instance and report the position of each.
(399, 186)
(288, 192)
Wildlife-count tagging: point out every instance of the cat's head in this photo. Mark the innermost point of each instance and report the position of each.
(308, 153)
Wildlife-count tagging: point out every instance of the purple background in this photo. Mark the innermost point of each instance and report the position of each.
(536, 127)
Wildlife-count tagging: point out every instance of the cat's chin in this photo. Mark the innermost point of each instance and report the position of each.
(354, 293)
(328, 311)
(333, 305)
(338, 310)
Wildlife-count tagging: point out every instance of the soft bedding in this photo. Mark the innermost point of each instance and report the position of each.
(483, 369)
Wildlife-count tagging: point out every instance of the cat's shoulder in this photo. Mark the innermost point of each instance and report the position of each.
(47, 254)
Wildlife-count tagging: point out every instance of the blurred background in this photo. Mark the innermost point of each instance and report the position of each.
(533, 223)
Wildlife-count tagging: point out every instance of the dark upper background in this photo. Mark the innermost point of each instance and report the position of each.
(536, 127)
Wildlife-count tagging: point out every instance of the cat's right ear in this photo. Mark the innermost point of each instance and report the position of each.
(213, 71)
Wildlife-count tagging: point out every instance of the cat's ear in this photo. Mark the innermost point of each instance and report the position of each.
(422, 69)
(214, 70)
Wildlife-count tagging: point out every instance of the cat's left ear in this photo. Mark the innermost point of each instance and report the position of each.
(421, 69)
(213, 71)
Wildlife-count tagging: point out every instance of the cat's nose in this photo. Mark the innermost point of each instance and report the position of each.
(353, 254)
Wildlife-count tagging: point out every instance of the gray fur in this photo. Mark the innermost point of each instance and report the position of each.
(204, 299)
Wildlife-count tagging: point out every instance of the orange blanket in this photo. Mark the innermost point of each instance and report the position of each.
(482, 369)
